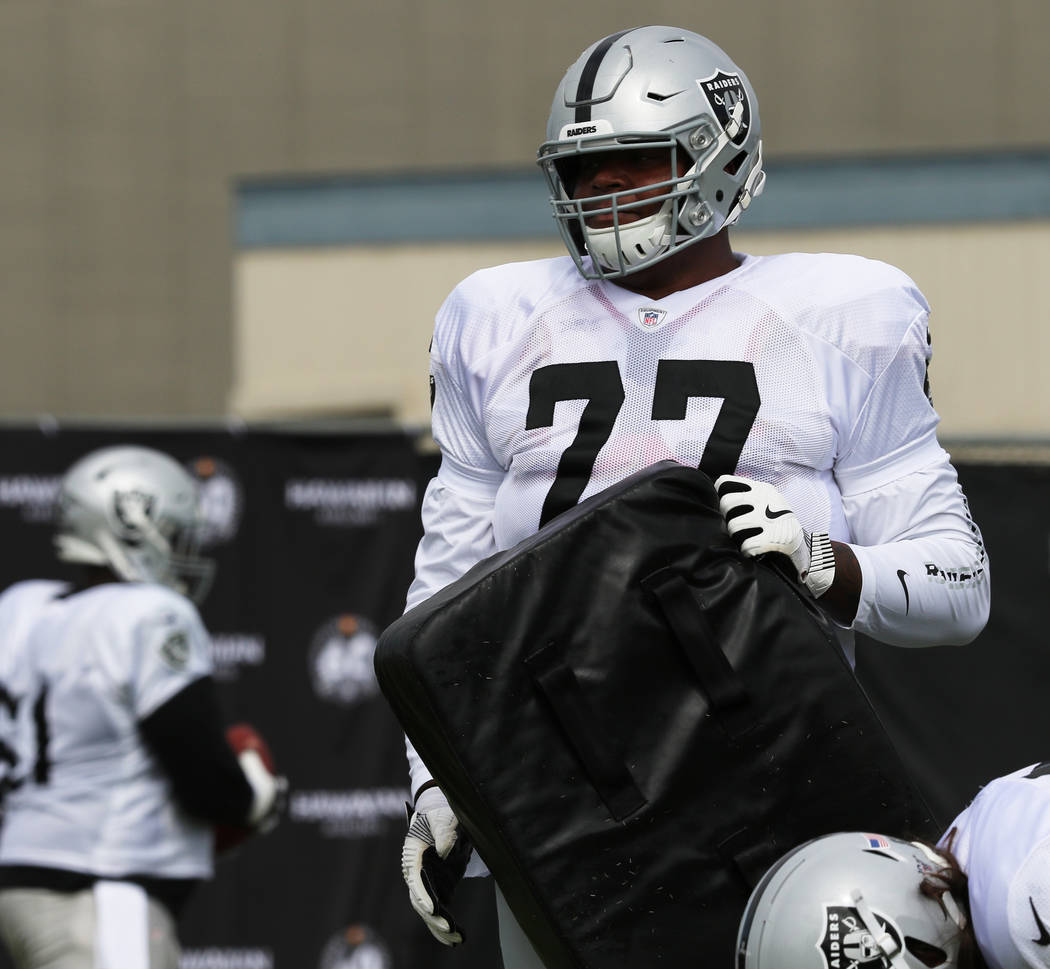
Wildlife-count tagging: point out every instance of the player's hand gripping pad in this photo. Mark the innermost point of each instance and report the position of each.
(632, 720)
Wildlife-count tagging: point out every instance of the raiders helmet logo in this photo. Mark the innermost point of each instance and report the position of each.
(846, 942)
(724, 92)
(131, 507)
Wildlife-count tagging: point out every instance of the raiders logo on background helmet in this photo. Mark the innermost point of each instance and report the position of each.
(129, 507)
(847, 944)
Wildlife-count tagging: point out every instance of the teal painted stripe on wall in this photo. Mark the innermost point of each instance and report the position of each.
(471, 207)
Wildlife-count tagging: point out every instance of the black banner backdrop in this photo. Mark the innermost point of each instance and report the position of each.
(314, 536)
(962, 715)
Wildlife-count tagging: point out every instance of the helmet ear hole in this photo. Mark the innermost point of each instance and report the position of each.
(928, 955)
(734, 163)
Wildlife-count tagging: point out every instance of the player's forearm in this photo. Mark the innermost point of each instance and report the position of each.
(922, 592)
(923, 565)
(186, 735)
(842, 598)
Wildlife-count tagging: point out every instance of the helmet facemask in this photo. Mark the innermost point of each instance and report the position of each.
(165, 550)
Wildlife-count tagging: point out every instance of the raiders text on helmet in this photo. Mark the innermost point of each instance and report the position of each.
(133, 510)
(850, 901)
(653, 88)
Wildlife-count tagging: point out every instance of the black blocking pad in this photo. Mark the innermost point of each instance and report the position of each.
(632, 721)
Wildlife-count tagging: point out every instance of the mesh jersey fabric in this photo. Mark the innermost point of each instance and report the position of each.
(95, 664)
(838, 346)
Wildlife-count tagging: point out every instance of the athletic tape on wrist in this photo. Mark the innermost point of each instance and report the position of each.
(821, 574)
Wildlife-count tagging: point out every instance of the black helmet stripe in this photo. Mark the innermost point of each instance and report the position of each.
(585, 90)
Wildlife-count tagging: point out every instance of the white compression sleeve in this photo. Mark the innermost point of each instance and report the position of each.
(925, 571)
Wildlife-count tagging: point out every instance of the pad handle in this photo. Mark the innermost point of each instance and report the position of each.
(683, 612)
(594, 746)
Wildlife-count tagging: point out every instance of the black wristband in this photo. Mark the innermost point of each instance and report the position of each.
(422, 788)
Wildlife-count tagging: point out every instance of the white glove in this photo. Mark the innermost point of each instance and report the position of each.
(757, 516)
(433, 859)
(268, 792)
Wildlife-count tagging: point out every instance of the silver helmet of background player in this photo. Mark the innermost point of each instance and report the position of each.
(135, 511)
(662, 88)
(850, 899)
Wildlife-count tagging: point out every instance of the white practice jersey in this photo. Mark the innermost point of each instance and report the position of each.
(808, 372)
(79, 674)
(1002, 842)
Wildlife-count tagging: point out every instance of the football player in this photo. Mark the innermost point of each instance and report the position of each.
(980, 900)
(797, 382)
(117, 767)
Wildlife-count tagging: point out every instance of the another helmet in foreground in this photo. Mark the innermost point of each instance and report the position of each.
(133, 510)
(653, 88)
(851, 900)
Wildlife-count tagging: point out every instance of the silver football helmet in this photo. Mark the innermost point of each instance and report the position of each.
(850, 899)
(134, 510)
(653, 88)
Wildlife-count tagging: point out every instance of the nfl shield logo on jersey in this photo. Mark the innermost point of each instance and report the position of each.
(650, 318)
(724, 92)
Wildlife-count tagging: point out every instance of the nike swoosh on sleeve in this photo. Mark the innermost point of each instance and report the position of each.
(1044, 935)
(777, 514)
(907, 599)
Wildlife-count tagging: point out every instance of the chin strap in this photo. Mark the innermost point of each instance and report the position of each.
(887, 944)
(947, 899)
(756, 179)
(750, 190)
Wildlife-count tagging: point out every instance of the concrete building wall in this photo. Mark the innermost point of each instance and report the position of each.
(126, 124)
(369, 315)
